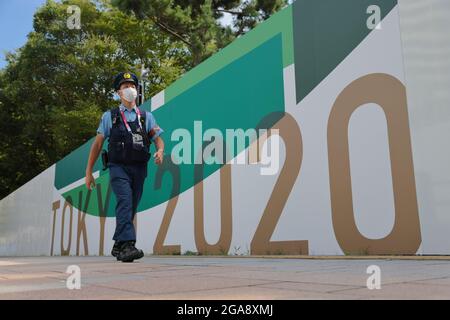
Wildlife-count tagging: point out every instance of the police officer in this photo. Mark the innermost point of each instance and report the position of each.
(130, 131)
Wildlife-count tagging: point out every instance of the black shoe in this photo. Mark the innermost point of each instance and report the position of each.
(116, 249)
(129, 253)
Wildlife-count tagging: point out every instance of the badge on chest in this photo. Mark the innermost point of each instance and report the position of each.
(138, 142)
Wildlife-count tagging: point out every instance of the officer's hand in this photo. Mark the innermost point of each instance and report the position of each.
(90, 181)
(159, 156)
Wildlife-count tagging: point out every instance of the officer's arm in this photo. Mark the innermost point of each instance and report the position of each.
(96, 148)
(159, 143)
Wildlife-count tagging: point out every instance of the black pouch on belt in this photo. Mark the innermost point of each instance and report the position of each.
(105, 159)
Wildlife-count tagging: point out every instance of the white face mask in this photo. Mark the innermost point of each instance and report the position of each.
(129, 94)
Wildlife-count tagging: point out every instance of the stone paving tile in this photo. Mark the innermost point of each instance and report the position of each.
(349, 276)
(85, 293)
(25, 276)
(305, 277)
(409, 291)
(152, 285)
(308, 287)
(437, 281)
(8, 263)
(190, 271)
(221, 278)
(249, 293)
(14, 286)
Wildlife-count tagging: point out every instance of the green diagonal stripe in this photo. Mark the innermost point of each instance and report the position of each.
(325, 33)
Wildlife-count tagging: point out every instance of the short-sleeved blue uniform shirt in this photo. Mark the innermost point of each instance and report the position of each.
(150, 123)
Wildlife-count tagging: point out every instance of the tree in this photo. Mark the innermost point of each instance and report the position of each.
(55, 88)
(196, 23)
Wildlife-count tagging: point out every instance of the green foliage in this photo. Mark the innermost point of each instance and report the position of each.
(55, 88)
(190, 253)
(196, 22)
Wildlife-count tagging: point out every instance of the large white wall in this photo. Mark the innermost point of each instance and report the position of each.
(425, 32)
(25, 227)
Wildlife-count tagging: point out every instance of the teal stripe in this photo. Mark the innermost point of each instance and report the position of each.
(325, 33)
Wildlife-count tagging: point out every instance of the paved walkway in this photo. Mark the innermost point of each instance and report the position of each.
(222, 278)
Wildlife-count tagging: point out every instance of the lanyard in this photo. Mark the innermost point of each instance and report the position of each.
(125, 120)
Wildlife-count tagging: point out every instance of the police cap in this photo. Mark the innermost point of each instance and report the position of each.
(125, 77)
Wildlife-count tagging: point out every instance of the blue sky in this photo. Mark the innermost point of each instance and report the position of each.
(16, 21)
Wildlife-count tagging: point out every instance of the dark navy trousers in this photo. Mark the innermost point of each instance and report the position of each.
(127, 182)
